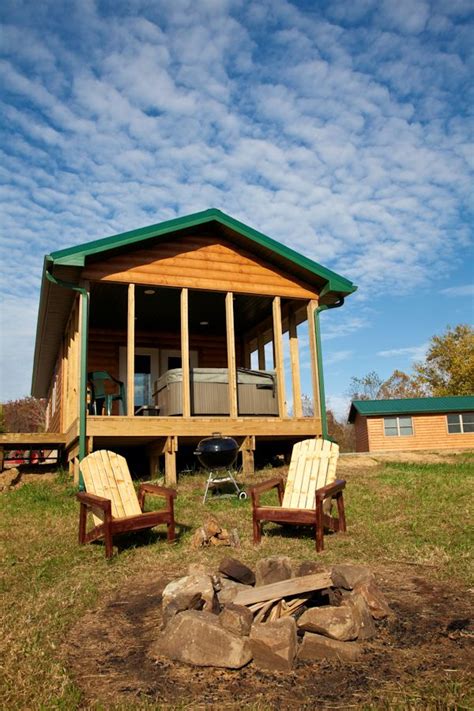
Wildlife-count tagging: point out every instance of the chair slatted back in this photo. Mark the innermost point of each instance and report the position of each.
(106, 474)
(313, 465)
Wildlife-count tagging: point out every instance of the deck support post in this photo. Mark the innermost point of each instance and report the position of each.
(278, 351)
(313, 349)
(231, 365)
(186, 384)
(248, 448)
(295, 366)
(130, 396)
(171, 447)
(155, 451)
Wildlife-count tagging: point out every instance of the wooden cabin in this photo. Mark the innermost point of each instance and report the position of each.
(413, 423)
(188, 318)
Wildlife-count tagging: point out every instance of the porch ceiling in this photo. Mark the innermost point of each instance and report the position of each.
(160, 311)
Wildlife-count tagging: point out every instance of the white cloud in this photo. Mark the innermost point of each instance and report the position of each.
(413, 352)
(463, 290)
(337, 357)
(343, 132)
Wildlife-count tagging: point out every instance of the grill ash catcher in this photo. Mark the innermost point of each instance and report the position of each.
(217, 454)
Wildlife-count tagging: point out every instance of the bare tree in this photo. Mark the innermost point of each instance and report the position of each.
(25, 415)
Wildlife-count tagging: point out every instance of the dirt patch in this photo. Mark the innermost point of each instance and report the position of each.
(358, 461)
(107, 652)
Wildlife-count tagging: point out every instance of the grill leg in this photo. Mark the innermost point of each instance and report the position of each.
(208, 483)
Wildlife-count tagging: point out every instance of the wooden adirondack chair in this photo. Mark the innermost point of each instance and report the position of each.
(307, 497)
(111, 497)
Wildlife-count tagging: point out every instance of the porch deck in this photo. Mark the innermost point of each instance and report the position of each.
(163, 435)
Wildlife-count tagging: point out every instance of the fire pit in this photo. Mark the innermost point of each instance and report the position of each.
(217, 454)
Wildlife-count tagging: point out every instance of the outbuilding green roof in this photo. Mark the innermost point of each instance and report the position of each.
(411, 406)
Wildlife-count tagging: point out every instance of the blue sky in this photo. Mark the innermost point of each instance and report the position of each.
(342, 129)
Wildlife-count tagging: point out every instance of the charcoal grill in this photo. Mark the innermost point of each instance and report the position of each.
(217, 454)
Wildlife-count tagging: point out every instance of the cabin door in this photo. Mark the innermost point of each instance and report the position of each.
(146, 372)
(172, 359)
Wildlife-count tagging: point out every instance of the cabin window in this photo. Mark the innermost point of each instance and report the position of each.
(460, 422)
(397, 426)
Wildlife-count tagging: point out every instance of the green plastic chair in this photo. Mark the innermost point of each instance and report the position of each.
(101, 397)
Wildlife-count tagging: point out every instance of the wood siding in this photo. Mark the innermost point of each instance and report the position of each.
(70, 370)
(361, 434)
(429, 432)
(104, 348)
(54, 416)
(199, 262)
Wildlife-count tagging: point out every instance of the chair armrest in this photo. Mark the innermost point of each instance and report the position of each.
(168, 494)
(94, 502)
(257, 489)
(326, 492)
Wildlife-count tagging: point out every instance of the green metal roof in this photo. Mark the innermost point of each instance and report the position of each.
(411, 406)
(76, 256)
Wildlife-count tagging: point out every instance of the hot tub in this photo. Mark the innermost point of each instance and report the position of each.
(256, 392)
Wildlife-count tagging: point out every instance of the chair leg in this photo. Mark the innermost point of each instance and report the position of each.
(341, 512)
(257, 529)
(171, 531)
(319, 526)
(109, 548)
(82, 523)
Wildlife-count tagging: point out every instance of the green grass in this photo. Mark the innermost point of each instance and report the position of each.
(396, 512)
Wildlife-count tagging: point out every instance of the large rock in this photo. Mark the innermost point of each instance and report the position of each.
(315, 646)
(190, 585)
(340, 623)
(348, 576)
(235, 570)
(229, 589)
(308, 567)
(237, 619)
(375, 599)
(9, 478)
(361, 610)
(198, 638)
(272, 570)
(274, 644)
(182, 601)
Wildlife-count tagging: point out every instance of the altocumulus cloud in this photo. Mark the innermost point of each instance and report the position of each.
(339, 128)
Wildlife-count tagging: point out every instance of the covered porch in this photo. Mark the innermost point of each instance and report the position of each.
(158, 341)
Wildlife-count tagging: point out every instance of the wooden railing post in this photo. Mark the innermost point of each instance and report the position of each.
(231, 366)
(278, 351)
(311, 308)
(130, 394)
(295, 366)
(186, 385)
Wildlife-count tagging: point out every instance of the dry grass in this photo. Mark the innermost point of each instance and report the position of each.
(397, 512)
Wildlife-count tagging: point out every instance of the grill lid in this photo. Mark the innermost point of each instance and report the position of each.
(217, 451)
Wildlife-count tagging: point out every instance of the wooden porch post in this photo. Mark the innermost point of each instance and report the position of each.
(186, 394)
(231, 367)
(278, 350)
(311, 308)
(131, 351)
(295, 366)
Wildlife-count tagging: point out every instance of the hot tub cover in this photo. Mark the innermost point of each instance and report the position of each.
(218, 375)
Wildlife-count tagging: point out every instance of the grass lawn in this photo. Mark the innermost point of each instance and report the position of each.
(401, 517)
